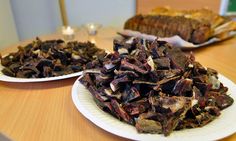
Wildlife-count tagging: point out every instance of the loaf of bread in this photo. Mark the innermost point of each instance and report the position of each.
(195, 26)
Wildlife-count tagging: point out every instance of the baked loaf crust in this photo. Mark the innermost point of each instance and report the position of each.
(166, 26)
(195, 26)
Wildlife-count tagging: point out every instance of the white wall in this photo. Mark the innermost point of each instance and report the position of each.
(8, 33)
(37, 17)
(106, 12)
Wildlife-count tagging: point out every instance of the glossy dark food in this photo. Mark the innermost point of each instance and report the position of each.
(156, 87)
(50, 58)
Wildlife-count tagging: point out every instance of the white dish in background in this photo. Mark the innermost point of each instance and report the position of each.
(6, 78)
(221, 127)
(176, 40)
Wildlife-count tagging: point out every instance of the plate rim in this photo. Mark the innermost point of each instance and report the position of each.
(89, 117)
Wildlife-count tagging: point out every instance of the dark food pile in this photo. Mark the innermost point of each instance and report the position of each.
(156, 87)
(50, 58)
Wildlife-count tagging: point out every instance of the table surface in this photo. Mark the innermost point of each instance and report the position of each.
(45, 111)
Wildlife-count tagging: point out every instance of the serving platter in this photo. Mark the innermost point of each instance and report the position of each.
(221, 127)
(176, 40)
(6, 78)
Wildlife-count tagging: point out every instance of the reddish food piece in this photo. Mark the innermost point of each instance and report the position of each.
(120, 112)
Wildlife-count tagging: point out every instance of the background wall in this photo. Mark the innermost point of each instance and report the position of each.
(8, 33)
(106, 12)
(35, 17)
(38, 17)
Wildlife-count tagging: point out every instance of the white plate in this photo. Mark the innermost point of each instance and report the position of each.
(6, 78)
(176, 40)
(221, 127)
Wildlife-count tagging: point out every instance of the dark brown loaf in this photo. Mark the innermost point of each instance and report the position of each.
(166, 26)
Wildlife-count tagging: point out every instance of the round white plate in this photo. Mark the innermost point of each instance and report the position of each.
(221, 127)
(6, 78)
